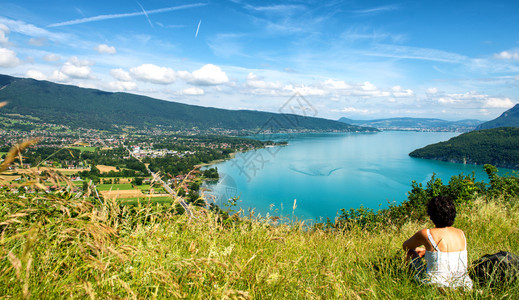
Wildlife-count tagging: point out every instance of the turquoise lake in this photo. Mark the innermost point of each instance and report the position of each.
(327, 172)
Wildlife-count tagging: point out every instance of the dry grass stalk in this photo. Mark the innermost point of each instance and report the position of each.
(16, 151)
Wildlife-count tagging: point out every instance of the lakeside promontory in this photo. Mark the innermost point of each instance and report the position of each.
(498, 146)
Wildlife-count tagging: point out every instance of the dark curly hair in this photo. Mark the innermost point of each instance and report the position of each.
(442, 211)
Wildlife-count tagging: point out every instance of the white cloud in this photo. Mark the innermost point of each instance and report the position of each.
(120, 75)
(254, 81)
(192, 91)
(126, 15)
(35, 74)
(473, 99)
(305, 90)
(154, 74)
(4, 31)
(351, 110)
(8, 58)
(499, 103)
(122, 86)
(431, 91)
(59, 76)
(367, 89)
(77, 68)
(208, 75)
(406, 52)
(336, 85)
(399, 92)
(103, 48)
(33, 31)
(51, 57)
(507, 55)
(38, 42)
(368, 86)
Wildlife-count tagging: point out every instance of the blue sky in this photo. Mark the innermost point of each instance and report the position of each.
(358, 59)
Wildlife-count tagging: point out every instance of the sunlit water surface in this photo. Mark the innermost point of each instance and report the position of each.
(327, 172)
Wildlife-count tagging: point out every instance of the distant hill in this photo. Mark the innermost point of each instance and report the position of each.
(90, 108)
(509, 118)
(497, 146)
(416, 124)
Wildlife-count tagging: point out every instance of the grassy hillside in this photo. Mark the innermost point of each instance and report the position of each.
(88, 108)
(498, 146)
(66, 246)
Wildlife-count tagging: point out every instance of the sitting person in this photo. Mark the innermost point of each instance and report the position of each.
(445, 248)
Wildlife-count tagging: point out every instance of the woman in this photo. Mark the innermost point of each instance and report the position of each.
(445, 248)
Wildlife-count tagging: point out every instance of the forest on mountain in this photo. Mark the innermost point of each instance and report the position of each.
(89, 108)
(497, 146)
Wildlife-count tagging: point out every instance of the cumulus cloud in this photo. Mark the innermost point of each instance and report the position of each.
(498, 103)
(351, 110)
(507, 55)
(305, 90)
(77, 68)
(122, 86)
(368, 86)
(105, 49)
(466, 98)
(207, 75)
(431, 91)
(59, 76)
(192, 91)
(399, 92)
(35, 74)
(475, 99)
(154, 74)
(8, 58)
(256, 82)
(336, 84)
(120, 75)
(51, 57)
(367, 89)
(4, 31)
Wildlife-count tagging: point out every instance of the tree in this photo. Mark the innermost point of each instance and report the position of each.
(137, 181)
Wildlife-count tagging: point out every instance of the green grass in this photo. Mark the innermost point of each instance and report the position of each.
(114, 187)
(145, 200)
(84, 149)
(67, 245)
(69, 248)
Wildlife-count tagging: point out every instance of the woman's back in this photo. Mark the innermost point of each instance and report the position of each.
(448, 239)
(447, 265)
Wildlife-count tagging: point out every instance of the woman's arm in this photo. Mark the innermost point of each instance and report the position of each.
(417, 240)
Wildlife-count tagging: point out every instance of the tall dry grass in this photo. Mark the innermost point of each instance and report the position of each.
(68, 245)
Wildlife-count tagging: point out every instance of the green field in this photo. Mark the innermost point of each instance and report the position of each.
(114, 187)
(85, 149)
(145, 200)
(147, 187)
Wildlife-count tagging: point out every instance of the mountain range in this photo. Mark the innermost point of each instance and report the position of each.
(416, 124)
(89, 108)
(509, 118)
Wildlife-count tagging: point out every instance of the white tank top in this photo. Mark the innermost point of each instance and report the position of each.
(447, 269)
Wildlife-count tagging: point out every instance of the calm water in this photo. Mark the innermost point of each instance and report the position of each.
(327, 172)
